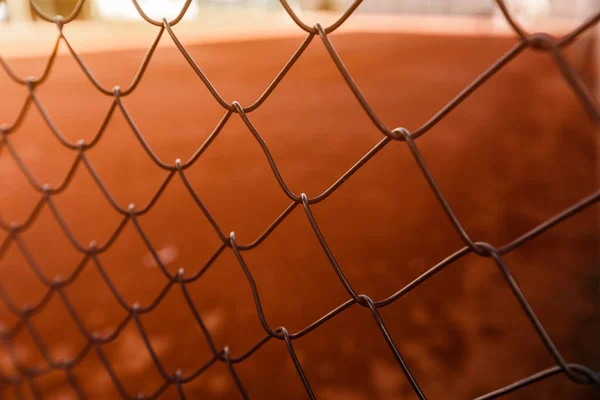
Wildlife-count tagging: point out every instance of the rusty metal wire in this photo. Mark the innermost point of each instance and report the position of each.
(55, 287)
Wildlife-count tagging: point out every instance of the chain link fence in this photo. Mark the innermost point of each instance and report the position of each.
(27, 376)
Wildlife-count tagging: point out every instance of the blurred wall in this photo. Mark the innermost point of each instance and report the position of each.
(19, 10)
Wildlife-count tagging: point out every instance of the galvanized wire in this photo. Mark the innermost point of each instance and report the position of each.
(55, 287)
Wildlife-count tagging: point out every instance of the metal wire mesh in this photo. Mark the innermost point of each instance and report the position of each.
(55, 287)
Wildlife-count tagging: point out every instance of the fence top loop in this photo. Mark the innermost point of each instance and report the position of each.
(151, 21)
(48, 18)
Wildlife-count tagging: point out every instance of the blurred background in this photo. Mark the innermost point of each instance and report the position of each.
(18, 10)
(516, 152)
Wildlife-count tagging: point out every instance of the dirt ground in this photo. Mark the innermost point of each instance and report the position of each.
(518, 151)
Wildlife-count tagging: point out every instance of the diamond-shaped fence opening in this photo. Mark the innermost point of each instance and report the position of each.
(135, 325)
